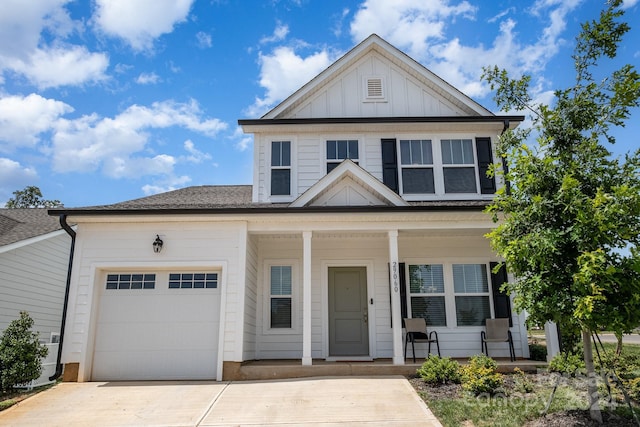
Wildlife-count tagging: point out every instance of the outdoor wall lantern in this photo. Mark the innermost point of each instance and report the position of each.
(157, 244)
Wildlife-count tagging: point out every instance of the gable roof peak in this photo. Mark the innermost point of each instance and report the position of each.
(382, 47)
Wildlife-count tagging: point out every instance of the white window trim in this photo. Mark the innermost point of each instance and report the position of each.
(449, 292)
(296, 283)
(292, 168)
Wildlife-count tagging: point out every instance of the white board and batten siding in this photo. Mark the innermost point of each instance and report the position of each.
(34, 278)
(121, 248)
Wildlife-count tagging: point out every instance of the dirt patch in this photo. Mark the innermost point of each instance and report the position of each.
(579, 418)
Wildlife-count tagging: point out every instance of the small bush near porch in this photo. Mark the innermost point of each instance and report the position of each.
(522, 397)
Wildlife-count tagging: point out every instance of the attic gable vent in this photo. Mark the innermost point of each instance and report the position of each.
(374, 87)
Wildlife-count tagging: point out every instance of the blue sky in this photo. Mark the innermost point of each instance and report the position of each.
(109, 100)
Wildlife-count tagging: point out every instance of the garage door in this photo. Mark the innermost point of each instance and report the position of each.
(157, 326)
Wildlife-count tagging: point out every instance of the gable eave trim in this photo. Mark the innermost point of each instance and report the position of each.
(513, 120)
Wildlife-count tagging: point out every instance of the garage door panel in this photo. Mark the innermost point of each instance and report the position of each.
(157, 334)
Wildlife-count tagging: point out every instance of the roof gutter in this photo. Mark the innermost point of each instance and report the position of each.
(72, 233)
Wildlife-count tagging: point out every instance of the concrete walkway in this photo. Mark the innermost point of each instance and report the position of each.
(321, 401)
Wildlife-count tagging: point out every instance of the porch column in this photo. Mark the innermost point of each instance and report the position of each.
(394, 283)
(551, 337)
(306, 297)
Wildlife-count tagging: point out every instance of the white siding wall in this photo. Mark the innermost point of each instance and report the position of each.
(405, 94)
(251, 299)
(33, 279)
(309, 157)
(128, 246)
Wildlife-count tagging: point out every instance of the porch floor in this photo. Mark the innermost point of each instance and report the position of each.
(283, 369)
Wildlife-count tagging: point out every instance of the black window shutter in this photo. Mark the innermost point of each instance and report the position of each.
(390, 164)
(501, 301)
(485, 159)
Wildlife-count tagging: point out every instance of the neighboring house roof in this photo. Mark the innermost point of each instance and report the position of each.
(22, 224)
(236, 199)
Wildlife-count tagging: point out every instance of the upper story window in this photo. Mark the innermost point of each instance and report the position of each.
(281, 168)
(458, 166)
(416, 160)
(339, 150)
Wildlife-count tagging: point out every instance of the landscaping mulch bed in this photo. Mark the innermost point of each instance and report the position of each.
(567, 418)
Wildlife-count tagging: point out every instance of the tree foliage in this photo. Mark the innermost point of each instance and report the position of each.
(570, 226)
(31, 197)
(20, 353)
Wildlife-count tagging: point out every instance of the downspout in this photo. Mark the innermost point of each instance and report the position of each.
(505, 166)
(70, 232)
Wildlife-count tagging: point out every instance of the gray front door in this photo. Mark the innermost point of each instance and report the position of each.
(348, 312)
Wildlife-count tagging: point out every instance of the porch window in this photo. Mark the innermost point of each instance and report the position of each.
(416, 161)
(280, 168)
(458, 166)
(339, 150)
(427, 294)
(281, 296)
(471, 288)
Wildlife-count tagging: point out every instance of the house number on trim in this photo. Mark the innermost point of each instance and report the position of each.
(394, 276)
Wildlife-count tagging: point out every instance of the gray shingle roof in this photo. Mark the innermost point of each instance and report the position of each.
(21, 224)
(237, 198)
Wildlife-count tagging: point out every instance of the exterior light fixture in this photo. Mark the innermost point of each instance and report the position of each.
(157, 244)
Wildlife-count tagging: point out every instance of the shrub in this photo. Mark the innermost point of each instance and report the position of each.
(480, 375)
(537, 352)
(521, 382)
(625, 365)
(20, 353)
(437, 370)
(570, 364)
(633, 388)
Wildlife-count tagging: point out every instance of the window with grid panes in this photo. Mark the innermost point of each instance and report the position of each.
(339, 150)
(280, 296)
(471, 288)
(416, 162)
(458, 166)
(426, 293)
(280, 168)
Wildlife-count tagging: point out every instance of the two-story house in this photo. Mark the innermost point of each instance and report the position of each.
(366, 207)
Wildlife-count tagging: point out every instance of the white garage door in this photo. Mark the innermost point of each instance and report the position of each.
(157, 326)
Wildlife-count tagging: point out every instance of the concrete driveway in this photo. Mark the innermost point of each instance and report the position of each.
(321, 401)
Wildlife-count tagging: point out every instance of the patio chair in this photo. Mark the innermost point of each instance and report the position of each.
(417, 332)
(497, 331)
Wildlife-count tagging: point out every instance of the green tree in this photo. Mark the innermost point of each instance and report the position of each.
(31, 197)
(570, 225)
(20, 353)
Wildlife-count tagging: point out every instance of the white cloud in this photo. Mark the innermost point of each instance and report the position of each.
(203, 39)
(22, 26)
(195, 155)
(148, 79)
(279, 34)
(243, 141)
(112, 145)
(24, 119)
(53, 67)
(283, 71)
(14, 176)
(140, 22)
(169, 183)
(407, 24)
(626, 4)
